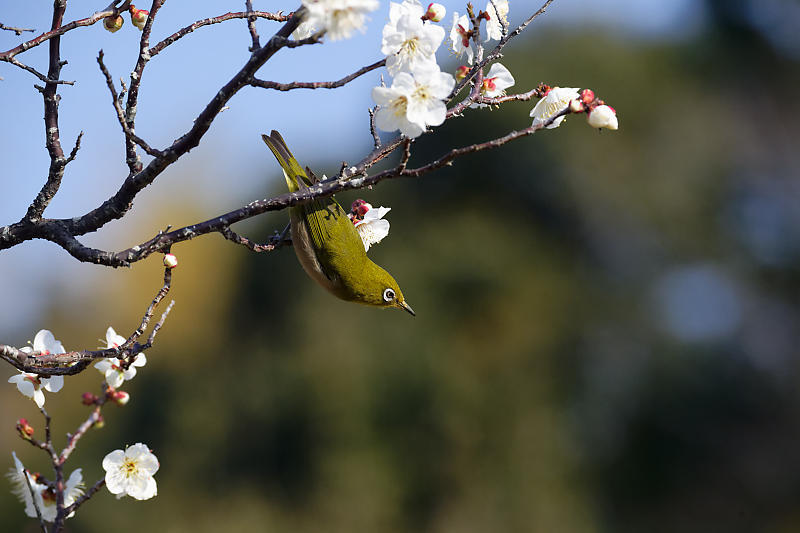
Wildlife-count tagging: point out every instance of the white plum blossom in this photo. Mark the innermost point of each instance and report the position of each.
(130, 472)
(460, 36)
(31, 385)
(45, 498)
(115, 375)
(498, 19)
(603, 116)
(413, 102)
(408, 42)
(46, 343)
(556, 100)
(373, 228)
(496, 82)
(111, 367)
(339, 18)
(113, 340)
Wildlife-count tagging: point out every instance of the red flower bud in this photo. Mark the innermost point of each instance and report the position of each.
(87, 398)
(24, 429)
(587, 96)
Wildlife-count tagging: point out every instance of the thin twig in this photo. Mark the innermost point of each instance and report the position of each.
(33, 499)
(35, 72)
(86, 495)
(18, 31)
(183, 32)
(251, 26)
(376, 139)
(115, 99)
(255, 82)
(275, 242)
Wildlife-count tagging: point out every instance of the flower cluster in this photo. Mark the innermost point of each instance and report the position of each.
(369, 222)
(415, 99)
(555, 100)
(461, 35)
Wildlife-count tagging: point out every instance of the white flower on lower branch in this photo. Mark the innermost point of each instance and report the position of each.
(45, 498)
(32, 385)
(130, 472)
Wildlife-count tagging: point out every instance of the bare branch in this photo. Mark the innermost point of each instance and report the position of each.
(376, 140)
(18, 31)
(183, 32)
(251, 26)
(35, 72)
(129, 135)
(75, 149)
(52, 135)
(255, 82)
(275, 242)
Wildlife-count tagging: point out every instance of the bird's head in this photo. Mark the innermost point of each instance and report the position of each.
(378, 288)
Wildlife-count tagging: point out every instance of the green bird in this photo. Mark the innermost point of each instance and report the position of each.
(327, 244)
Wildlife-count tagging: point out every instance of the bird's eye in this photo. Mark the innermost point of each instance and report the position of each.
(388, 295)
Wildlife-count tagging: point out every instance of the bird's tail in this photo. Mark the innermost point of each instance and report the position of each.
(296, 177)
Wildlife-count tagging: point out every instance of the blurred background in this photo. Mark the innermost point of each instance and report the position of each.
(607, 323)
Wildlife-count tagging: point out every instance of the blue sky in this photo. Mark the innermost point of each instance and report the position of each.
(230, 164)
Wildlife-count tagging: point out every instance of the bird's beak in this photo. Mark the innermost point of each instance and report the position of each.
(404, 305)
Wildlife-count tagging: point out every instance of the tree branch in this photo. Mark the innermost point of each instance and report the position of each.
(255, 82)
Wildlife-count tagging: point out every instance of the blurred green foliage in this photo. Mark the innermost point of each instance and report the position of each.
(545, 385)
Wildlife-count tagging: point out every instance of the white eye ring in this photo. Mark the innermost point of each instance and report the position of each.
(388, 295)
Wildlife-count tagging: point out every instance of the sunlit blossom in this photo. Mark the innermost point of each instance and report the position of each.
(498, 19)
(408, 42)
(131, 472)
(460, 36)
(339, 18)
(556, 100)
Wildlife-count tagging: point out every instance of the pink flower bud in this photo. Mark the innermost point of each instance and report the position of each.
(587, 96)
(24, 429)
(87, 398)
(170, 261)
(435, 12)
(603, 116)
(113, 23)
(138, 16)
(120, 397)
(462, 72)
(576, 106)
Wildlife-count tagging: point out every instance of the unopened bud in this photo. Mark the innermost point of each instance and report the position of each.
(435, 12)
(120, 397)
(24, 429)
(462, 72)
(170, 261)
(113, 23)
(87, 398)
(576, 106)
(100, 422)
(603, 116)
(587, 96)
(138, 16)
